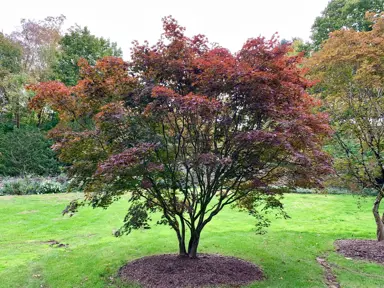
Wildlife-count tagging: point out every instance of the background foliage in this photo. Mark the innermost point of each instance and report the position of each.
(38, 51)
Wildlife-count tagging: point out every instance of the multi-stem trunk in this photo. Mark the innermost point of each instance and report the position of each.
(192, 245)
(378, 219)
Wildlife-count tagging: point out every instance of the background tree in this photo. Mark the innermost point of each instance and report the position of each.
(299, 46)
(39, 41)
(10, 55)
(80, 43)
(16, 98)
(344, 13)
(350, 68)
(10, 64)
(196, 129)
(26, 56)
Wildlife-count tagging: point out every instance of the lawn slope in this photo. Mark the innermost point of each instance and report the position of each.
(90, 255)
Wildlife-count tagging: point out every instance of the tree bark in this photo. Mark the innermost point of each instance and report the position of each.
(193, 245)
(376, 215)
(39, 116)
(182, 249)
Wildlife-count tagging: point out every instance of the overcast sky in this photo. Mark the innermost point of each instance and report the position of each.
(226, 22)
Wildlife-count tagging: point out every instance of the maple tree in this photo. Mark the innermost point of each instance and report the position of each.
(350, 71)
(187, 128)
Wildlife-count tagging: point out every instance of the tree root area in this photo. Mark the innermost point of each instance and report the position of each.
(171, 271)
(362, 249)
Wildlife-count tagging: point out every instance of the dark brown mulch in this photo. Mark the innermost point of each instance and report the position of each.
(172, 271)
(362, 249)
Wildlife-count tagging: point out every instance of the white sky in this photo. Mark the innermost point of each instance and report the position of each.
(227, 22)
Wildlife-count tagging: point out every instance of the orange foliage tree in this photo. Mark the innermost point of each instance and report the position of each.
(350, 70)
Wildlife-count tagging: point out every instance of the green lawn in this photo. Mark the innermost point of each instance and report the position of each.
(287, 253)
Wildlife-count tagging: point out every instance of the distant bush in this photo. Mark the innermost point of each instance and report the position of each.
(26, 151)
(335, 191)
(29, 186)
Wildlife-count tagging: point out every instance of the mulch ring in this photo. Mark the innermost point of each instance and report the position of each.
(362, 249)
(173, 271)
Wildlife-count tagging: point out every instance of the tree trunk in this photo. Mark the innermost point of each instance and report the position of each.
(17, 116)
(379, 221)
(193, 244)
(39, 116)
(182, 250)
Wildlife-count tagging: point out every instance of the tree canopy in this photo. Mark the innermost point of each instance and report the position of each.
(10, 62)
(188, 128)
(10, 56)
(344, 14)
(80, 43)
(34, 52)
(350, 71)
(39, 41)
